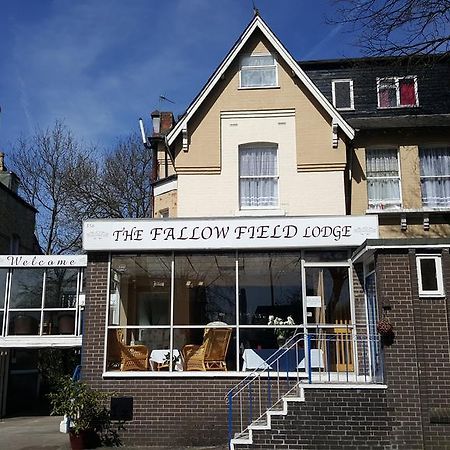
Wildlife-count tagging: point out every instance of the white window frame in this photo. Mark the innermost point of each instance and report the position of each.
(260, 145)
(425, 148)
(373, 207)
(275, 66)
(439, 292)
(397, 91)
(333, 92)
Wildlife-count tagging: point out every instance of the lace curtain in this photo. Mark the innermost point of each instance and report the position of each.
(258, 177)
(435, 176)
(383, 182)
(257, 71)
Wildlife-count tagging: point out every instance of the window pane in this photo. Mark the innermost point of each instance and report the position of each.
(342, 94)
(269, 284)
(3, 273)
(59, 322)
(24, 323)
(329, 295)
(259, 192)
(140, 290)
(205, 289)
(257, 60)
(258, 71)
(125, 353)
(407, 92)
(26, 288)
(383, 182)
(435, 176)
(258, 162)
(61, 288)
(429, 275)
(382, 163)
(206, 349)
(387, 94)
(384, 193)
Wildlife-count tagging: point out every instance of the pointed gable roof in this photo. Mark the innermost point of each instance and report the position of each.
(258, 23)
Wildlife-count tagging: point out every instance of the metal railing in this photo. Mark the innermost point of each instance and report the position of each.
(340, 357)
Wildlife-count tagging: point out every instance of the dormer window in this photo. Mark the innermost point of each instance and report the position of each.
(258, 71)
(342, 91)
(397, 92)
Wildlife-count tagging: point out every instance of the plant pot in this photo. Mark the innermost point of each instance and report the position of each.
(84, 439)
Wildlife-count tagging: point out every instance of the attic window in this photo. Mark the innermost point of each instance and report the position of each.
(343, 94)
(258, 70)
(397, 92)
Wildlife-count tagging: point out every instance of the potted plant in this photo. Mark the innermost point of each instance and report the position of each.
(282, 334)
(85, 410)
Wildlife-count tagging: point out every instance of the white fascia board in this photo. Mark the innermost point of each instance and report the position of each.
(257, 22)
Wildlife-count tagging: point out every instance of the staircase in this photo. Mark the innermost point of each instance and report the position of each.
(268, 410)
(265, 421)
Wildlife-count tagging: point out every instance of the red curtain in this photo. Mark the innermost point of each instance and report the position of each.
(407, 93)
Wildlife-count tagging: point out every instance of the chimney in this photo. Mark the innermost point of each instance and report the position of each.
(167, 122)
(8, 178)
(162, 121)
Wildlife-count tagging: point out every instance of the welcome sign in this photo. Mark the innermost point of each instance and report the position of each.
(43, 261)
(228, 233)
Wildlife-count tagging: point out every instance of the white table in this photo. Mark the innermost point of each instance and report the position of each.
(253, 361)
(158, 359)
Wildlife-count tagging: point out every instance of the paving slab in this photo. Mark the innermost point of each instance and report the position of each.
(42, 433)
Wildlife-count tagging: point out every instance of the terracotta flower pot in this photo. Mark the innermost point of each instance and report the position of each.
(84, 439)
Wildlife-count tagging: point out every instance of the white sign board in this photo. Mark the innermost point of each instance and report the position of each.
(43, 261)
(228, 233)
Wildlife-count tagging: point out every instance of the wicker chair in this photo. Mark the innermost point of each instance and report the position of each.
(211, 354)
(125, 357)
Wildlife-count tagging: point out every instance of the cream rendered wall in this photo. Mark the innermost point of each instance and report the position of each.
(300, 193)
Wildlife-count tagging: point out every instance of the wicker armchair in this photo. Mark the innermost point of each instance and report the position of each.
(211, 354)
(125, 357)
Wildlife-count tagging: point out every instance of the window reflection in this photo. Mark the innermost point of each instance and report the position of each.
(269, 284)
(26, 288)
(140, 290)
(3, 273)
(61, 288)
(328, 296)
(204, 289)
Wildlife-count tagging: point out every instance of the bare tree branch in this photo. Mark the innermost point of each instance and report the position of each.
(397, 27)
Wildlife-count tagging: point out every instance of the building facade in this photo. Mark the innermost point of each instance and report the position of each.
(291, 199)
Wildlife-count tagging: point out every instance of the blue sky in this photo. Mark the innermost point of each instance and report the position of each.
(99, 65)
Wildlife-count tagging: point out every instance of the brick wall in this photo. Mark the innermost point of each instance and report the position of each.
(329, 419)
(417, 365)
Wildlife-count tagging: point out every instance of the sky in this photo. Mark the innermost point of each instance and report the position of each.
(99, 65)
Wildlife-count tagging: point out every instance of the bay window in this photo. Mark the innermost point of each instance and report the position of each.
(383, 179)
(258, 175)
(397, 92)
(435, 176)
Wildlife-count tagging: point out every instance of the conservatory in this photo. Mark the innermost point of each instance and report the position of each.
(220, 296)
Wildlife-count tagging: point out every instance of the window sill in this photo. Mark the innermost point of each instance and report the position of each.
(424, 210)
(260, 212)
(251, 88)
(397, 107)
(432, 295)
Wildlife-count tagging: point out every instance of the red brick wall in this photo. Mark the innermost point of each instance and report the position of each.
(417, 365)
